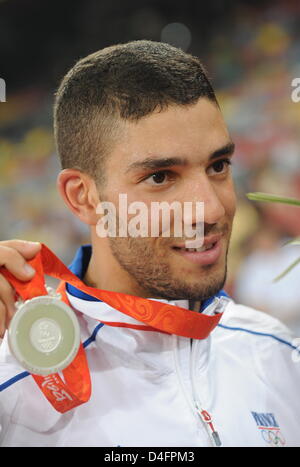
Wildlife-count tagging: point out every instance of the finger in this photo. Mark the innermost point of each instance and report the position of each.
(15, 263)
(27, 249)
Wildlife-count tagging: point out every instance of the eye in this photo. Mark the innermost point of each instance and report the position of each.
(158, 178)
(220, 167)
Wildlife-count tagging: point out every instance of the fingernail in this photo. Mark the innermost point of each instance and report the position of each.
(28, 269)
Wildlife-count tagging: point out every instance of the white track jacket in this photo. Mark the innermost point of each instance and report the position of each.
(148, 388)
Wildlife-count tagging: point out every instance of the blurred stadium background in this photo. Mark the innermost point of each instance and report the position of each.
(252, 52)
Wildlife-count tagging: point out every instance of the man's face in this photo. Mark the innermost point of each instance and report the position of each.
(196, 139)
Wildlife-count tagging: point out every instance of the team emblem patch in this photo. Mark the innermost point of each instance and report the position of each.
(269, 429)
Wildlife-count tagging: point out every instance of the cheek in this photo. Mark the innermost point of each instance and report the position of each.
(232, 205)
(229, 201)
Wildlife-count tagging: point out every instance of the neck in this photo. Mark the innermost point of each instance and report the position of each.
(105, 273)
(92, 278)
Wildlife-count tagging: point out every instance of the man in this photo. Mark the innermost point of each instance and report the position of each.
(142, 119)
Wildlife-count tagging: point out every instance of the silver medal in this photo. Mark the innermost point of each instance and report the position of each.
(44, 334)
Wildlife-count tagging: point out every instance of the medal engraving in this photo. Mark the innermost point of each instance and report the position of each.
(45, 335)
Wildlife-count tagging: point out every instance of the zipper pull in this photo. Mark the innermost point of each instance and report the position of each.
(208, 420)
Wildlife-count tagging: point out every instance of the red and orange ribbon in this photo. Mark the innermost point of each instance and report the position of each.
(158, 316)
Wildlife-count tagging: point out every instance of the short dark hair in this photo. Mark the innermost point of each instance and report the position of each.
(125, 81)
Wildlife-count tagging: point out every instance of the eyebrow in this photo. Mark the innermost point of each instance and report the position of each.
(153, 163)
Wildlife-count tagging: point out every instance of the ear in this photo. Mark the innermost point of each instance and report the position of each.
(80, 194)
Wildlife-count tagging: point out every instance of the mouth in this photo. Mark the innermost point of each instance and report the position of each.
(207, 254)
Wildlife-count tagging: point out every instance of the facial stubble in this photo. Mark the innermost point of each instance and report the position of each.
(153, 273)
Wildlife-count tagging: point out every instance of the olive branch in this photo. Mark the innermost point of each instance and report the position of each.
(265, 197)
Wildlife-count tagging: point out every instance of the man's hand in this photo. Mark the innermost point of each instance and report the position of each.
(13, 255)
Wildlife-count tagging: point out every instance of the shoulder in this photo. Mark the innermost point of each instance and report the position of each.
(255, 328)
(260, 343)
(252, 320)
(254, 346)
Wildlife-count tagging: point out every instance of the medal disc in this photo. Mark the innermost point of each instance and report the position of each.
(44, 335)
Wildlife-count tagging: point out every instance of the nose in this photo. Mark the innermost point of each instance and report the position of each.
(203, 190)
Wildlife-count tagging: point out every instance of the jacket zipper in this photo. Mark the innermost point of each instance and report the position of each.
(201, 412)
(194, 404)
(217, 306)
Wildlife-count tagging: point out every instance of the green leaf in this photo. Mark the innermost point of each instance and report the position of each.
(284, 273)
(272, 198)
(296, 241)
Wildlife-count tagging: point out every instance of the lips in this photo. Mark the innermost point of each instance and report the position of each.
(208, 254)
(200, 249)
(200, 244)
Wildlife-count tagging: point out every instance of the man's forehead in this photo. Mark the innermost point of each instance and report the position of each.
(199, 114)
(178, 132)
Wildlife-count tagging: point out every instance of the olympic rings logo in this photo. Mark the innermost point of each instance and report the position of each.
(272, 437)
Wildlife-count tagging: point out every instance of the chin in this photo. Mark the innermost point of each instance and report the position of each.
(196, 290)
(205, 286)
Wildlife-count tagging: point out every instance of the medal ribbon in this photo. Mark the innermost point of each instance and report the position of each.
(157, 315)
